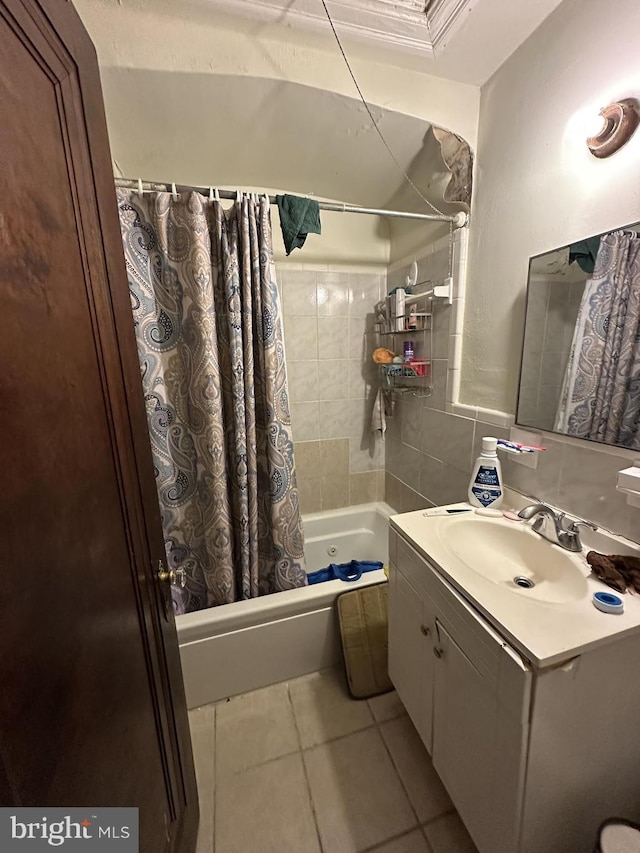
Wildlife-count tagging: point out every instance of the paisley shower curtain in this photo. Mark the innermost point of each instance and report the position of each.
(600, 396)
(210, 342)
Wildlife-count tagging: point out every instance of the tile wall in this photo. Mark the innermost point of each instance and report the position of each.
(329, 338)
(431, 444)
(552, 312)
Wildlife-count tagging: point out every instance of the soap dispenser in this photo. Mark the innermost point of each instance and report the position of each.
(485, 488)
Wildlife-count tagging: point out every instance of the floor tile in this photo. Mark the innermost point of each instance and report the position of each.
(422, 783)
(266, 809)
(448, 835)
(412, 842)
(323, 708)
(387, 706)
(356, 793)
(202, 725)
(254, 728)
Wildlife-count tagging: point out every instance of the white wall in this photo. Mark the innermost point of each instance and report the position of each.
(201, 98)
(537, 185)
(158, 35)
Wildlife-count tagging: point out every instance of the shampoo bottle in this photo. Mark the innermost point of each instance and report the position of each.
(485, 488)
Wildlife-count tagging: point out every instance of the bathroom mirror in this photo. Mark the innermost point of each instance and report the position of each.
(580, 368)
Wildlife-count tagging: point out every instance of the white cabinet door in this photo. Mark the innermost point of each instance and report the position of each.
(478, 745)
(411, 660)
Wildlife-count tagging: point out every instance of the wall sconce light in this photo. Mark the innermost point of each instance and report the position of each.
(620, 122)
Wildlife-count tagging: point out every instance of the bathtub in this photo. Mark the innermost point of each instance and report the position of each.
(249, 644)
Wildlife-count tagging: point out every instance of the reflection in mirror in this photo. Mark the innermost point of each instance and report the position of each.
(580, 372)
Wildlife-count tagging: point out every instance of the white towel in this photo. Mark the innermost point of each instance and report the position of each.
(382, 409)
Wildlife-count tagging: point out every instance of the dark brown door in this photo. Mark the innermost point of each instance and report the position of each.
(92, 709)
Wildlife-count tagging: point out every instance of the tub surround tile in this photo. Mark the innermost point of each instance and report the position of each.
(307, 457)
(421, 782)
(305, 421)
(333, 380)
(333, 294)
(362, 378)
(303, 381)
(366, 289)
(366, 454)
(266, 809)
(300, 338)
(360, 411)
(254, 728)
(334, 457)
(334, 419)
(357, 795)
(324, 710)
(299, 293)
(362, 337)
(333, 338)
(310, 495)
(335, 492)
(366, 487)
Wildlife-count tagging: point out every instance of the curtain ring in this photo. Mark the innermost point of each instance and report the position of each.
(210, 193)
(174, 192)
(216, 194)
(140, 190)
(238, 196)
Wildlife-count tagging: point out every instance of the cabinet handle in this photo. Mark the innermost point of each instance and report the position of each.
(437, 652)
(424, 631)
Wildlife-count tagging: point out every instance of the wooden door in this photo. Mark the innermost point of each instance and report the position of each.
(92, 709)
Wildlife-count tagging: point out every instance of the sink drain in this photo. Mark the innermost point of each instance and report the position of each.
(525, 583)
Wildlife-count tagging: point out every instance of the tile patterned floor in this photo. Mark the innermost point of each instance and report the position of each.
(301, 767)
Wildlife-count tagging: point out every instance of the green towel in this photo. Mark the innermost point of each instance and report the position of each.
(298, 217)
(585, 253)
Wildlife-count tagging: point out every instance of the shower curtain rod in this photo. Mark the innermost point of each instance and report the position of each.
(459, 220)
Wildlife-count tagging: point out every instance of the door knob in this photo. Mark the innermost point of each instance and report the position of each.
(178, 577)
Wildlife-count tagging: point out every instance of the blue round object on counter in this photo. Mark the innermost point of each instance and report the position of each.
(607, 602)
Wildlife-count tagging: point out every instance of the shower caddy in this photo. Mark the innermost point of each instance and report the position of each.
(416, 377)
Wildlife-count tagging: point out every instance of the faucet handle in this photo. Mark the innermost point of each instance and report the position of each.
(573, 527)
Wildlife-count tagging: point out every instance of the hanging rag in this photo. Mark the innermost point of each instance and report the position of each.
(585, 253)
(382, 409)
(298, 217)
(351, 571)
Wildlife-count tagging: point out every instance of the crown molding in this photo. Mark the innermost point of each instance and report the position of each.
(402, 24)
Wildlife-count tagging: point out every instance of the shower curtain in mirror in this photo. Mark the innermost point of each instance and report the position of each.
(209, 332)
(600, 396)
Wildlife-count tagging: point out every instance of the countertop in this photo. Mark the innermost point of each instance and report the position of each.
(546, 633)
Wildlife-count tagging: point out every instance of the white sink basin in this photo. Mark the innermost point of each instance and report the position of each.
(511, 555)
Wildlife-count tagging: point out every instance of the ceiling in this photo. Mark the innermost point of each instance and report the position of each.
(461, 40)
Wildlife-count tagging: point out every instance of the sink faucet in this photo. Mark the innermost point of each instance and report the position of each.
(567, 537)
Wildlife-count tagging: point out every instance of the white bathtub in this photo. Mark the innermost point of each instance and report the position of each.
(240, 647)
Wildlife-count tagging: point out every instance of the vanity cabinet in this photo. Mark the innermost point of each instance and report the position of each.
(531, 758)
